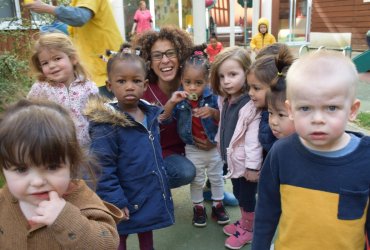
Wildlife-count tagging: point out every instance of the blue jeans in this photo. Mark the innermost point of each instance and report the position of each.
(179, 169)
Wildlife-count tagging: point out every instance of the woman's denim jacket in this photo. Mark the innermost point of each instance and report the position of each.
(183, 114)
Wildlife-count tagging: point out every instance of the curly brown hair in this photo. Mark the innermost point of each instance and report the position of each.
(179, 38)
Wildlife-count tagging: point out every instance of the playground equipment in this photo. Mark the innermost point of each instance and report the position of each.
(362, 61)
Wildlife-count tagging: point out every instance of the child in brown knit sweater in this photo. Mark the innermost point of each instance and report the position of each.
(43, 205)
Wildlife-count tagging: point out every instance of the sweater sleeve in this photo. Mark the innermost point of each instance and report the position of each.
(85, 229)
(268, 209)
(73, 16)
(105, 146)
(253, 148)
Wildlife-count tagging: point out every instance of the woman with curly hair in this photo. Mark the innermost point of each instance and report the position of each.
(165, 51)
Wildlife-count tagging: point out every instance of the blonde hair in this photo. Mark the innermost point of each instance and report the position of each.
(234, 53)
(322, 66)
(59, 42)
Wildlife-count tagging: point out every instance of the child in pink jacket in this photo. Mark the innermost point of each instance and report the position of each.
(238, 138)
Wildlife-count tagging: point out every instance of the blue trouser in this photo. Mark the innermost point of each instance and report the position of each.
(179, 169)
(245, 193)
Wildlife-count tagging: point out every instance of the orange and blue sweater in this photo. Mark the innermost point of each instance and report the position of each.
(316, 202)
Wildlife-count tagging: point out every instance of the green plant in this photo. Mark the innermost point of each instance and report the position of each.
(363, 120)
(14, 82)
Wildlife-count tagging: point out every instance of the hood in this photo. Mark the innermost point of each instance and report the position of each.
(100, 110)
(264, 21)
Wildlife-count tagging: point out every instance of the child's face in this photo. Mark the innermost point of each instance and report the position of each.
(127, 82)
(213, 42)
(32, 185)
(320, 111)
(57, 66)
(279, 121)
(232, 78)
(257, 90)
(193, 80)
(263, 28)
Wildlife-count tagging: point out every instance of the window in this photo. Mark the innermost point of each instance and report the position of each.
(10, 14)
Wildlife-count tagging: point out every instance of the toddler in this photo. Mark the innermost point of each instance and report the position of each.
(62, 79)
(263, 38)
(213, 48)
(125, 139)
(278, 120)
(261, 75)
(195, 108)
(238, 138)
(315, 183)
(43, 203)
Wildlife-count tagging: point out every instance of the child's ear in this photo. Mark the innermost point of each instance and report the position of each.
(355, 107)
(108, 85)
(146, 82)
(288, 106)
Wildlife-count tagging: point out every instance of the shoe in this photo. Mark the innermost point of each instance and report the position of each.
(219, 213)
(229, 198)
(200, 216)
(239, 239)
(231, 228)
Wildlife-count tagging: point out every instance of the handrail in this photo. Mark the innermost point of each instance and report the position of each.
(301, 49)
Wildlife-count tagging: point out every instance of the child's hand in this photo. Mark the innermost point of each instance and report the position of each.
(48, 211)
(204, 112)
(178, 96)
(126, 213)
(252, 175)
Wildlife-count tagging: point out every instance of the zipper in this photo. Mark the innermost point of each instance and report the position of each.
(151, 138)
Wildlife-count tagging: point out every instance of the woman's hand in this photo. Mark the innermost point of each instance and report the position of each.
(203, 144)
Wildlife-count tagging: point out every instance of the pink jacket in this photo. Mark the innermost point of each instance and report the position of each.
(73, 98)
(244, 150)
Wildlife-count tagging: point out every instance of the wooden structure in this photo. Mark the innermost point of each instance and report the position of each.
(342, 16)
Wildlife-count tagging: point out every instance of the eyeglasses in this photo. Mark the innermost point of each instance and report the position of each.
(157, 55)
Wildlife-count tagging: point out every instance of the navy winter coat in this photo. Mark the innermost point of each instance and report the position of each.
(133, 173)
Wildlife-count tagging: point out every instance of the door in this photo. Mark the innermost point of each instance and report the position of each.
(294, 21)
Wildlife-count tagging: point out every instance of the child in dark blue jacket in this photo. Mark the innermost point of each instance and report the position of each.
(125, 139)
(195, 108)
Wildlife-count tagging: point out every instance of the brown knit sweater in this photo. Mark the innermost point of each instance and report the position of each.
(84, 223)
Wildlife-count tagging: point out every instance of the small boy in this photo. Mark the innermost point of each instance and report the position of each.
(315, 183)
(262, 38)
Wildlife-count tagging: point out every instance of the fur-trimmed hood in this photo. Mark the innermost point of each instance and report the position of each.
(100, 110)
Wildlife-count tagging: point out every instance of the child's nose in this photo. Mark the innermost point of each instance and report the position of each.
(317, 117)
(37, 179)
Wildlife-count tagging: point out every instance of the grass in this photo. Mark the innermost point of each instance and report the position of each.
(363, 120)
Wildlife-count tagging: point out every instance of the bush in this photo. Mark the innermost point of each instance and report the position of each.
(363, 120)
(14, 80)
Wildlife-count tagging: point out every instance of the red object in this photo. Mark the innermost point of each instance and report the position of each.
(209, 3)
(197, 128)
